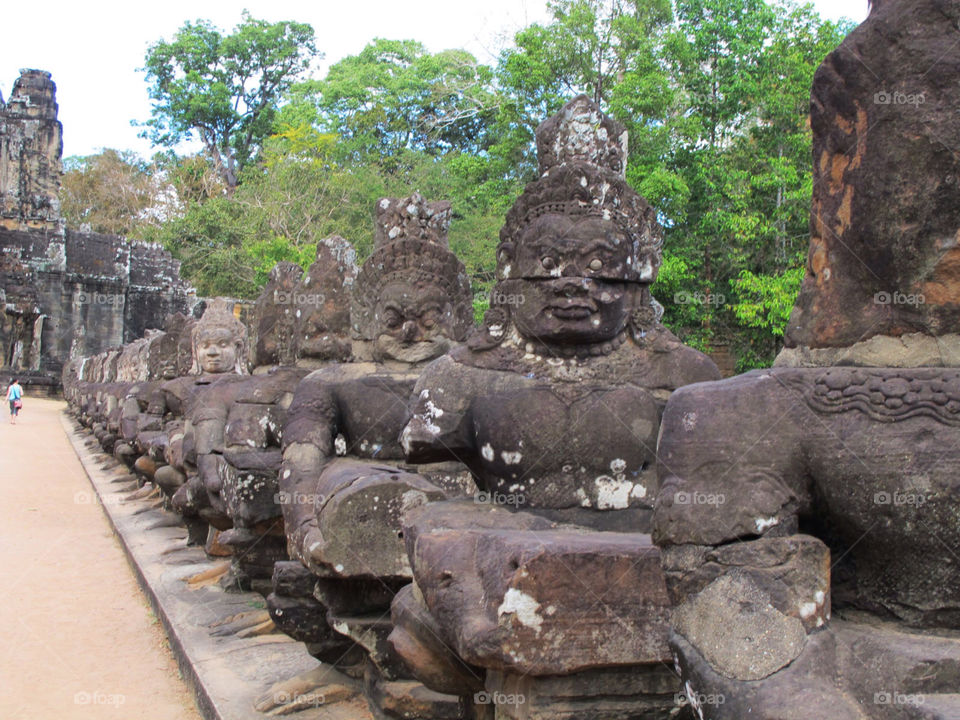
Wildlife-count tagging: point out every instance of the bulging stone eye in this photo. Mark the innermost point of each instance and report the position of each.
(596, 264)
(548, 263)
(430, 318)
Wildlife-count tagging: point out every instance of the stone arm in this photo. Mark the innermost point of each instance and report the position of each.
(208, 420)
(133, 414)
(308, 446)
(440, 427)
(730, 463)
(130, 418)
(734, 486)
(164, 404)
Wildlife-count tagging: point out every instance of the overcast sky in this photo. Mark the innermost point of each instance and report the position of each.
(93, 48)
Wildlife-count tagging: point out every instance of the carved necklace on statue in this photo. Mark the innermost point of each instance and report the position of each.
(581, 351)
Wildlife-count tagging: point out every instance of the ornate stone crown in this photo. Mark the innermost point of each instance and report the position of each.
(582, 157)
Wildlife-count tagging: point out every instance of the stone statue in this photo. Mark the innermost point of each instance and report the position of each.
(343, 485)
(571, 344)
(196, 407)
(412, 298)
(807, 514)
(302, 322)
(554, 405)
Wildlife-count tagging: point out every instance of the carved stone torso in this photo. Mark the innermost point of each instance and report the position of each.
(594, 448)
(571, 435)
(373, 411)
(370, 406)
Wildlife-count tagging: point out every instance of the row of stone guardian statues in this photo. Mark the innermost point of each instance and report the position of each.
(565, 512)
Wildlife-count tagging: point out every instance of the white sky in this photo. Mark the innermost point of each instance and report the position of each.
(94, 47)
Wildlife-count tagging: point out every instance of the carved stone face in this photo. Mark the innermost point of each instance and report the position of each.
(217, 350)
(571, 289)
(412, 323)
(316, 340)
(572, 310)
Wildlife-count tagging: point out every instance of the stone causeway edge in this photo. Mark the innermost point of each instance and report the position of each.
(225, 673)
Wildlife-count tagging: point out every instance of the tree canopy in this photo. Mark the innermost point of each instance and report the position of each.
(224, 89)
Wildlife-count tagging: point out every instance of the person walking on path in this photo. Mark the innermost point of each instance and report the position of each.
(15, 398)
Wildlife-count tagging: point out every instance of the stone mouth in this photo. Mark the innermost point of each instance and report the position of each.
(572, 312)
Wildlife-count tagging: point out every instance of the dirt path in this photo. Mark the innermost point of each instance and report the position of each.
(78, 638)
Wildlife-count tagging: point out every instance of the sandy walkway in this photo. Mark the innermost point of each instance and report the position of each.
(78, 638)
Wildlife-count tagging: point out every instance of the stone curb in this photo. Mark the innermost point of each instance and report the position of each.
(227, 673)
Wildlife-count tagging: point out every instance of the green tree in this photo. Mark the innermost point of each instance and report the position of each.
(193, 177)
(394, 119)
(210, 240)
(395, 96)
(224, 89)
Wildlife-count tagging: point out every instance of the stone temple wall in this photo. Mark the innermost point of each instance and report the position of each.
(65, 293)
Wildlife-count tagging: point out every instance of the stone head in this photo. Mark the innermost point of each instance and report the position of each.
(412, 298)
(219, 341)
(579, 248)
(169, 352)
(323, 302)
(274, 321)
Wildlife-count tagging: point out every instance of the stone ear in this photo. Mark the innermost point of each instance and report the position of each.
(506, 252)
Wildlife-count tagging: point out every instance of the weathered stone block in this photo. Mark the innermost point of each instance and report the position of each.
(508, 597)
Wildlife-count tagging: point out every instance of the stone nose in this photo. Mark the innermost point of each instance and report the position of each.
(572, 288)
(409, 331)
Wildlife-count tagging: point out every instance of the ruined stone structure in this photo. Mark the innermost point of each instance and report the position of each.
(31, 143)
(65, 293)
(808, 516)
